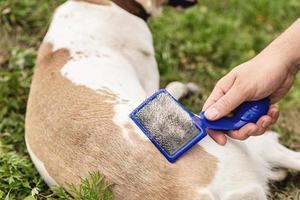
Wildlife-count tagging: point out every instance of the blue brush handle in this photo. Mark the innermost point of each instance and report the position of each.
(248, 112)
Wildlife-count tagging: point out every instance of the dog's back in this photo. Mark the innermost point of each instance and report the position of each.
(95, 65)
(77, 119)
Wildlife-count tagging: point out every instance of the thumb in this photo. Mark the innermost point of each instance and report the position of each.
(227, 103)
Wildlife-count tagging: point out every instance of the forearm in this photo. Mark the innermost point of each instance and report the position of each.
(285, 49)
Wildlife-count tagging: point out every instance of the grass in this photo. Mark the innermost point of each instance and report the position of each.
(200, 44)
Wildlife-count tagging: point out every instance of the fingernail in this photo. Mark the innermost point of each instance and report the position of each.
(273, 114)
(212, 113)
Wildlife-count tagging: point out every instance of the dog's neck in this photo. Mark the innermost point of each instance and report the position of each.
(140, 8)
(133, 7)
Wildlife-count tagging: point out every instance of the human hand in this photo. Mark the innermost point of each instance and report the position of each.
(252, 80)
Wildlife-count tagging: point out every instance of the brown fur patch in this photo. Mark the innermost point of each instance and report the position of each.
(70, 129)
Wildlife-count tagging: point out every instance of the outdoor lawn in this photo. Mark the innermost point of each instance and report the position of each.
(200, 45)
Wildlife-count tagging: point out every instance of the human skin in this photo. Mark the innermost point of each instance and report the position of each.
(269, 74)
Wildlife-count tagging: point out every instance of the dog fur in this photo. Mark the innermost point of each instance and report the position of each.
(95, 65)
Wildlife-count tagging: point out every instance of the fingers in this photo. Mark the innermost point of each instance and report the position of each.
(257, 129)
(274, 113)
(227, 103)
(248, 130)
(242, 134)
(262, 124)
(245, 132)
(218, 136)
(265, 121)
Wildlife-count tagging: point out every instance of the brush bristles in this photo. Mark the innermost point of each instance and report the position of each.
(170, 125)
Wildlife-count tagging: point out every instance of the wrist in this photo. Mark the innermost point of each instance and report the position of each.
(284, 51)
(274, 59)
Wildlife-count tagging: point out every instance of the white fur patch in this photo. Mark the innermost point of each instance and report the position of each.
(108, 72)
(238, 166)
(86, 27)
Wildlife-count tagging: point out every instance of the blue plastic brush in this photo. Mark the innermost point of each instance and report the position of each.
(173, 129)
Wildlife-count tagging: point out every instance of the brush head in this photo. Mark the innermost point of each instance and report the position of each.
(168, 124)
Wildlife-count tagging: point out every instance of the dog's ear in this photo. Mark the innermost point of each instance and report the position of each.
(182, 3)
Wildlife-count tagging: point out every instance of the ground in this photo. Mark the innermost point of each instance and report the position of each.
(200, 44)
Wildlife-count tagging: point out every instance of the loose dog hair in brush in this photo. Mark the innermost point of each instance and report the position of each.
(168, 124)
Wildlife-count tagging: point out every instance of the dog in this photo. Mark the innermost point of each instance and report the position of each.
(94, 66)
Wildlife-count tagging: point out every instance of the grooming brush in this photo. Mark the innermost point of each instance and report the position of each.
(173, 129)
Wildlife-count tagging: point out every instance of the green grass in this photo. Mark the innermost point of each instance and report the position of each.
(200, 44)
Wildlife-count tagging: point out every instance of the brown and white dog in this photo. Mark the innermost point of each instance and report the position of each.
(95, 65)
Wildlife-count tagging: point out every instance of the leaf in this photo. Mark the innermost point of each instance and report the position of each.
(29, 198)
